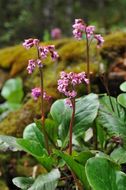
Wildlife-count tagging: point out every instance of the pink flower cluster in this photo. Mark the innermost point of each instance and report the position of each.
(28, 43)
(80, 28)
(43, 52)
(56, 33)
(36, 93)
(67, 83)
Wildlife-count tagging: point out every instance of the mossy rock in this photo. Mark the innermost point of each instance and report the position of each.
(114, 47)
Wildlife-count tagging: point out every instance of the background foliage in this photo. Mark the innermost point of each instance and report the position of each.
(24, 18)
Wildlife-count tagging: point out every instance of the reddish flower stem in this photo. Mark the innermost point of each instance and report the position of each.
(88, 64)
(71, 125)
(42, 105)
(42, 111)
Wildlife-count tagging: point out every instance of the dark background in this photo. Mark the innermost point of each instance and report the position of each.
(21, 19)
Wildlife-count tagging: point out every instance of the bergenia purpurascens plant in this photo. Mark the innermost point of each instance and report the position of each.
(42, 52)
(79, 29)
(66, 85)
(71, 154)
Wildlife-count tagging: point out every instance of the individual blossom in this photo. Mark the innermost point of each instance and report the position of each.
(28, 43)
(56, 33)
(36, 93)
(43, 51)
(31, 66)
(89, 31)
(53, 53)
(47, 97)
(100, 40)
(68, 102)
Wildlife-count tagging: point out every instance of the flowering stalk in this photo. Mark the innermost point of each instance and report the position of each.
(80, 28)
(66, 85)
(42, 52)
(71, 125)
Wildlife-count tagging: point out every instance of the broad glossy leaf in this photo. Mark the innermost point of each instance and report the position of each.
(9, 143)
(119, 155)
(60, 112)
(101, 174)
(77, 168)
(121, 180)
(62, 115)
(32, 132)
(32, 147)
(23, 182)
(82, 157)
(52, 129)
(113, 121)
(86, 112)
(47, 181)
(122, 99)
(123, 86)
(46, 161)
(13, 90)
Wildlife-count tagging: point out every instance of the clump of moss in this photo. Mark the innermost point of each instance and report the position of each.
(3, 185)
(114, 46)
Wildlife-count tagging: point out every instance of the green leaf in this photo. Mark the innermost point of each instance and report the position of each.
(113, 121)
(86, 112)
(13, 90)
(60, 112)
(47, 181)
(101, 134)
(101, 174)
(119, 155)
(83, 157)
(77, 168)
(121, 180)
(32, 147)
(46, 161)
(9, 143)
(51, 128)
(23, 182)
(35, 149)
(123, 86)
(62, 115)
(32, 132)
(122, 99)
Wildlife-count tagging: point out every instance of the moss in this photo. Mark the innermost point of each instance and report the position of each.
(3, 185)
(114, 46)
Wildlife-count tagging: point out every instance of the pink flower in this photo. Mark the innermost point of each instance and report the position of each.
(28, 43)
(68, 81)
(68, 102)
(43, 50)
(79, 28)
(36, 93)
(46, 50)
(46, 97)
(31, 66)
(90, 31)
(56, 33)
(100, 39)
